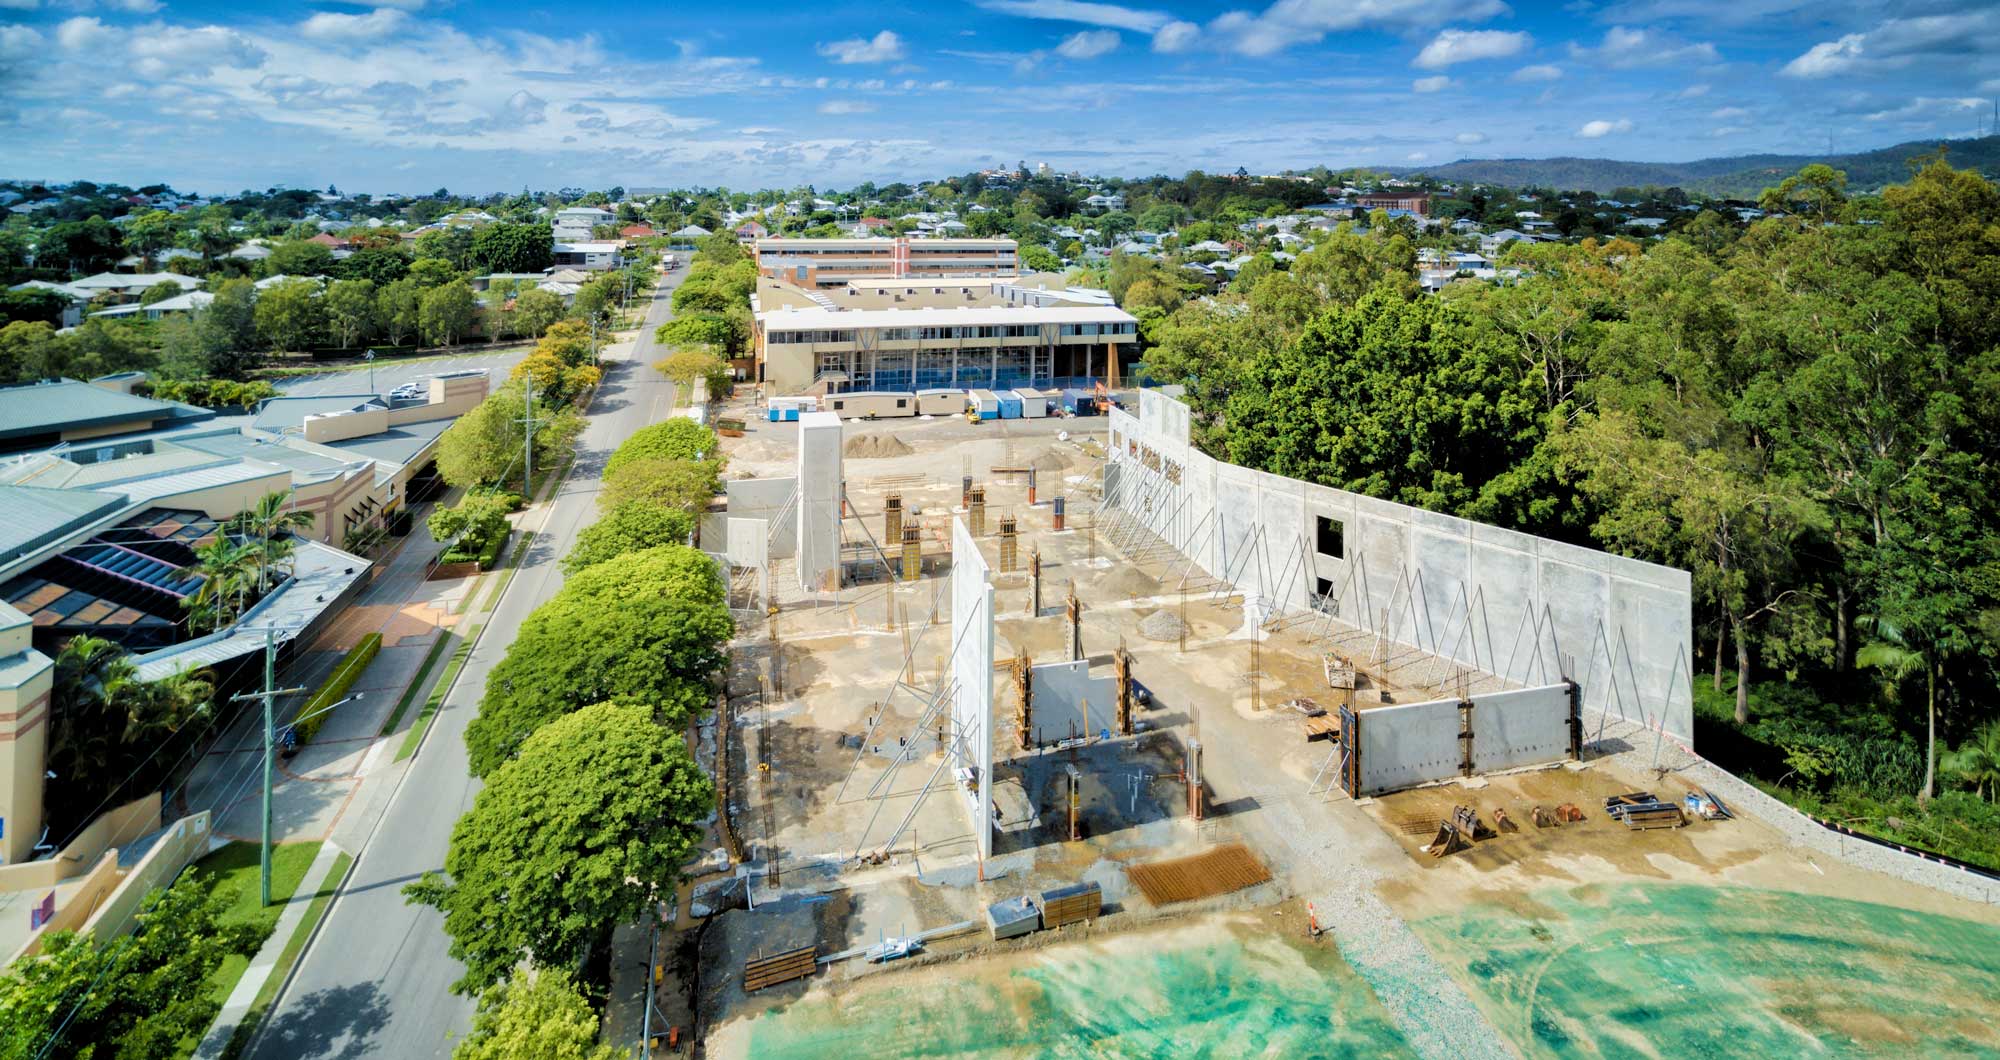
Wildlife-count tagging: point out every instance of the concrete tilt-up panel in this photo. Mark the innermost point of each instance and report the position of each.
(819, 501)
(972, 675)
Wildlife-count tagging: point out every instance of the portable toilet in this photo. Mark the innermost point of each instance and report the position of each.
(1034, 404)
(983, 402)
(1010, 404)
(1079, 402)
(940, 402)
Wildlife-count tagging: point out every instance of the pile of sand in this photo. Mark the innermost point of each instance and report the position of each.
(863, 446)
(1050, 459)
(1130, 582)
(1162, 625)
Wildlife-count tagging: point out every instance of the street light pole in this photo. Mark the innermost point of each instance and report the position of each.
(370, 358)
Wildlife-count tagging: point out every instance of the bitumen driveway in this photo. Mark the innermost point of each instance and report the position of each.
(376, 981)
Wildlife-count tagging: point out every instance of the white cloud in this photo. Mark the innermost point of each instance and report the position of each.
(846, 106)
(1176, 37)
(1464, 46)
(1623, 48)
(19, 5)
(334, 27)
(1728, 130)
(134, 7)
(1692, 92)
(1431, 84)
(1088, 44)
(18, 42)
(1594, 129)
(1287, 23)
(82, 34)
(1926, 110)
(1416, 156)
(1469, 138)
(1538, 72)
(1728, 113)
(1113, 16)
(159, 51)
(884, 47)
(1955, 39)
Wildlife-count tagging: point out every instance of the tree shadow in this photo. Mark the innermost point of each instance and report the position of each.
(335, 1023)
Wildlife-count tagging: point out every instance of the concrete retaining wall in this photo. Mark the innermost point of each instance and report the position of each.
(1528, 610)
(1407, 744)
(1525, 727)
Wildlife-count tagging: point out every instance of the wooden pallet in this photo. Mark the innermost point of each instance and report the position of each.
(1323, 727)
(1218, 871)
(761, 972)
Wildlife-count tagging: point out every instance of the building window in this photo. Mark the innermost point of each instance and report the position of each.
(1330, 537)
(902, 403)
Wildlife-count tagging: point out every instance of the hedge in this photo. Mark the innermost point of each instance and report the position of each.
(336, 686)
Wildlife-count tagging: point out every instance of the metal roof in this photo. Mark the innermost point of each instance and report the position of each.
(278, 413)
(321, 574)
(397, 445)
(67, 404)
(36, 516)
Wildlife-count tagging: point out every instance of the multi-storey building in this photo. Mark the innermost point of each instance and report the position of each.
(824, 263)
(944, 333)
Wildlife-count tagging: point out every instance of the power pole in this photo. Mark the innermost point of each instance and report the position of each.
(270, 693)
(528, 452)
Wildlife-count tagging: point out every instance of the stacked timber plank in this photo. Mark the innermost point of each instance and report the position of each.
(760, 972)
(1067, 905)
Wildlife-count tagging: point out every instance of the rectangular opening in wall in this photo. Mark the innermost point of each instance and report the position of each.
(1329, 537)
(1322, 599)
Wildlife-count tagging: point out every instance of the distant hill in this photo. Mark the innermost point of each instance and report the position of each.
(1740, 177)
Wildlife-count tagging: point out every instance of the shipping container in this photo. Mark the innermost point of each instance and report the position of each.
(787, 409)
(1034, 403)
(1079, 403)
(1010, 405)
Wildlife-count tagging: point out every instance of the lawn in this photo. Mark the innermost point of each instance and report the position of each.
(233, 869)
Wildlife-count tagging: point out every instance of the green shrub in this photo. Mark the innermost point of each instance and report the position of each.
(679, 438)
(336, 686)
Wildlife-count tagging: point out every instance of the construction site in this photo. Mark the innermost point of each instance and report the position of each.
(1061, 725)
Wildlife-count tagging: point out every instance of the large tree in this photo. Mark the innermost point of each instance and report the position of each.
(678, 438)
(291, 316)
(669, 571)
(534, 1014)
(447, 313)
(484, 446)
(582, 832)
(570, 652)
(626, 528)
(513, 247)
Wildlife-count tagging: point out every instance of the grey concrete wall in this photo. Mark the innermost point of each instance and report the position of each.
(748, 543)
(1523, 727)
(1527, 610)
(819, 500)
(758, 498)
(1061, 691)
(1407, 744)
(972, 674)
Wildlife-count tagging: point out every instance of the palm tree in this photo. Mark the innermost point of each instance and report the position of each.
(92, 677)
(273, 514)
(1892, 651)
(1977, 761)
(228, 569)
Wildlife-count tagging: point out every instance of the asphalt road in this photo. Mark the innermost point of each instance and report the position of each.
(376, 981)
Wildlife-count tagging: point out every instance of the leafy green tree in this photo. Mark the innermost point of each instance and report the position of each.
(300, 258)
(452, 245)
(581, 833)
(656, 651)
(476, 519)
(536, 309)
(484, 446)
(31, 350)
(428, 272)
(398, 307)
(80, 247)
(447, 313)
(672, 571)
(627, 528)
(291, 316)
(1037, 258)
(105, 722)
(1977, 760)
(351, 311)
(140, 997)
(678, 438)
(534, 1014)
(381, 265)
(268, 523)
(686, 485)
(148, 233)
(99, 347)
(160, 292)
(513, 247)
(234, 314)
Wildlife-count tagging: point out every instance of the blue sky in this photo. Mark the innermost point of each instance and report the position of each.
(485, 96)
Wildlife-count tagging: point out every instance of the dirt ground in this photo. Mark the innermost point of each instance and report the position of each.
(847, 812)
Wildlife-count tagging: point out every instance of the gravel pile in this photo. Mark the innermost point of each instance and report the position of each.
(864, 446)
(1162, 625)
(1050, 459)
